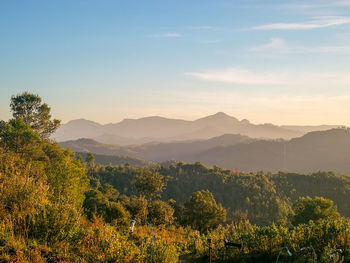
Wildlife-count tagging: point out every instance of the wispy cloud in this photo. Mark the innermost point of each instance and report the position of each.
(280, 46)
(298, 79)
(318, 4)
(274, 44)
(238, 76)
(319, 22)
(166, 35)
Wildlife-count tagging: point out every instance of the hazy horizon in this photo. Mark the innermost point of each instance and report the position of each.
(196, 118)
(280, 62)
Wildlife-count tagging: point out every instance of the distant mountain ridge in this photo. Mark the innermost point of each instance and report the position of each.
(316, 151)
(156, 151)
(321, 150)
(160, 129)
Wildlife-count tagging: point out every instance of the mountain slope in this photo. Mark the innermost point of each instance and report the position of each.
(321, 150)
(117, 160)
(156, 151)
(161, 129)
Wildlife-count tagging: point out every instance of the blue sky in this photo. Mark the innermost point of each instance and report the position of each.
(285, 62)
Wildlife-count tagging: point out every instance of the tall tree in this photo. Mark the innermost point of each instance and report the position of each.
(316, 209)
(149, 184)
(202, 211)
(18, 137)
(90, 160)
(32, 111)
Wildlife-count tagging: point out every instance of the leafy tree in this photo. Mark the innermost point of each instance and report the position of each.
(90, 160)
(315, 209)
(160, 213)
(2, 126)
(136, 206)
(109, 191)
(23, 192)
(17, 136)
(97, 204)
(202, 211)
(66, 175)
(32, 111)
(149, 184)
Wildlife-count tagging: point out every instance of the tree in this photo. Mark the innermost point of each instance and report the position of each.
(136, 207)
(90, 160)
(149, 184)
(28, 107)
(317, 209)
(23, 192)
(2, 126)
(66, 175)
(202, 211)
(96, 203)
(160, 213)
(18, 137)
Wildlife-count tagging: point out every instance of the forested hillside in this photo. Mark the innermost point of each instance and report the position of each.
(321, 150)
(115, 160)
(261, 198)
(157, 151)
(56, 206)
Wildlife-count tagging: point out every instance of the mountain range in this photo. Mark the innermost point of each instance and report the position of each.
(159, 129)
(319, 150)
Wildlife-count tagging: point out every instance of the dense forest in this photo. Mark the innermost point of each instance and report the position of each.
(261, 198)
(56, 206)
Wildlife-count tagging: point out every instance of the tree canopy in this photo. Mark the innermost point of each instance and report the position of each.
(202, 211)
(32, 111)
(315, 209)
(149, 184)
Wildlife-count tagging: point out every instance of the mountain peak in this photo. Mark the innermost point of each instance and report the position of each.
(84, 122)
(219, 116)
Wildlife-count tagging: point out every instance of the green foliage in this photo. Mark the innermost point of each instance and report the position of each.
(319, 208)
(98, 204)
(160, 213)
(136, 207)
(45, 201)
(261, 198)
(28, 107)
(114, 160)
(163, 252)
(23, 192)
(149, 184)
(90, 160)
(202, 211)
(18, 137)
(65, 174)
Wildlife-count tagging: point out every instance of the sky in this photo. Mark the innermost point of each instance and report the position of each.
(281, 62)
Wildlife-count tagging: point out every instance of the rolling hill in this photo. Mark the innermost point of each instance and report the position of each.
(159, 129)
(322, 150)
(156, 151)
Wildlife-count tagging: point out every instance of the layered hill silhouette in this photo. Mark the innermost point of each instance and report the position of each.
(117, 160)
(159, 129)
(158, 152)
(321, 150)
